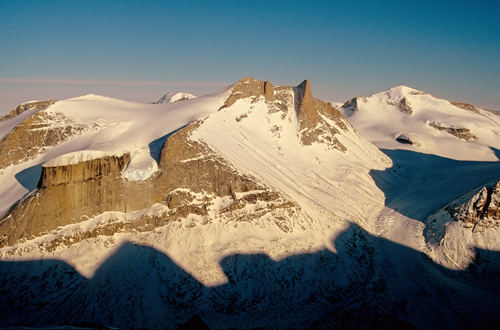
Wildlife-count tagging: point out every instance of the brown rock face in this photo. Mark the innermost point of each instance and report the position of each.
(35, 136)
(67, 194)
(483, 207)
(305, 102)
(314, 116)
(27, 106)
(192, 165)
(268, 91)
(250, 88)
(461, 133)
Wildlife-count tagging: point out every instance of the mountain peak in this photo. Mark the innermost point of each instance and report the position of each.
(310, 112)
(402, 91)
(305, 98)
(250, 87)
(404, 117)
(175, 97)
(305, 89)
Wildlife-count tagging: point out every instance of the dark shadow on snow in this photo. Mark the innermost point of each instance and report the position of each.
(156, 146)
(29, 177)
(419, 184)
(370, 282)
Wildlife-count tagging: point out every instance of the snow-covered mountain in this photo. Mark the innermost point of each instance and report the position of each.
(175, 97)
(255, 206)
(408, 119)
(444, 152)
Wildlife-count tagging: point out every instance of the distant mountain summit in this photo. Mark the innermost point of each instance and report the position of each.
(175, 97)
(403, 117)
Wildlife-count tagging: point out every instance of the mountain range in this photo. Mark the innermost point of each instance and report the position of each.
(254, 206)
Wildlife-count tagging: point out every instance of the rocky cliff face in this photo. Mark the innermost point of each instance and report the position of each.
(459, 132)
(482, 208)
(36, 135)
(316, 118)
(66, 195)
(26, 106)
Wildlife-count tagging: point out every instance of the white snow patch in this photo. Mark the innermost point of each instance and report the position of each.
(76, 157)
(174, 97)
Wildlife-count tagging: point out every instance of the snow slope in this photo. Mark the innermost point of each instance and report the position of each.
(432, 167)
(382, 119)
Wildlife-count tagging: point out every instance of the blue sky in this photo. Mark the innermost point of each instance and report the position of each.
(140, 50)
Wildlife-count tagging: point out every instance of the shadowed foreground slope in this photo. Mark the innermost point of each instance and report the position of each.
(369, 282)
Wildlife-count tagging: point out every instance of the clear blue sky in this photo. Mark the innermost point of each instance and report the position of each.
(140, 50)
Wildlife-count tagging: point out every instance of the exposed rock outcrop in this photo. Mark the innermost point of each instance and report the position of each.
(403, 105)
(316, 118)
(475, 215)
(351, 105)
(27, 106)
(460, 132)
(268, 91)
(404, 139)
(36, 135)
(465, 106)
(192, 165)
(411, 139)
(67, 194)
(483, 207)
(250, 88)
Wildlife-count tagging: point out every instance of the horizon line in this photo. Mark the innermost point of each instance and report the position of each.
(54, 81)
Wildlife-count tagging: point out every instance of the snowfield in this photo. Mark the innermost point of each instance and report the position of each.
(381, 118)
